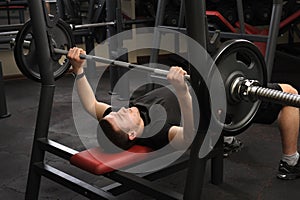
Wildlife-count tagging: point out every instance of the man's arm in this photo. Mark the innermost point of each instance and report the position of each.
(85, 92)
(182, 137)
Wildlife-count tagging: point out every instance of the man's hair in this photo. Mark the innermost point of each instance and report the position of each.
(118, 138)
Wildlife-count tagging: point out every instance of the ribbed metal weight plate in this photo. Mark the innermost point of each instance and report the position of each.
(60, 36)
(239, 58)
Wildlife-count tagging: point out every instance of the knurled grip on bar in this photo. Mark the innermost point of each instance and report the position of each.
(275, 96)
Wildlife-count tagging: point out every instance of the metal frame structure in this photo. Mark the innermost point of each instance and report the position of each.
(197, 166)
(143, 184)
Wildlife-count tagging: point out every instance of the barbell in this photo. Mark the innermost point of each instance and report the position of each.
(239, 62)
(156, 71)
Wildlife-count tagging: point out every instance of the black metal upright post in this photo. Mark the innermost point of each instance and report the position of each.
(111, 6)
(43, 57)
(122, 55)
(273, 35)
(8, 12)
(3, 107)
(180, 25)
(159, 19)
(196, 24)
(89, 47)
(240, 11)
(123, 89)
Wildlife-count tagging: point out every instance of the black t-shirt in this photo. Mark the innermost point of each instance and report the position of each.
(160, 111)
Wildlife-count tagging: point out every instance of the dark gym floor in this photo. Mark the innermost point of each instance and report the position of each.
(249, 174)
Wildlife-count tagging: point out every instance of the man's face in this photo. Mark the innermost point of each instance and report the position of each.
(127, 120)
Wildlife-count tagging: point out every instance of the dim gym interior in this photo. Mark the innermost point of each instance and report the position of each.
(209, 89)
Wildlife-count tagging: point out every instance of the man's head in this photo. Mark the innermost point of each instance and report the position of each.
(122, 127)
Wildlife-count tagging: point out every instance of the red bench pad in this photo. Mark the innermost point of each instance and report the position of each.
(98, 162)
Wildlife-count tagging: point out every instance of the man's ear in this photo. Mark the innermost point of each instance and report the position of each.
(132, 135)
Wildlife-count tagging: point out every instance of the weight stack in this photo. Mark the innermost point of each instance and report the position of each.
(3, 107)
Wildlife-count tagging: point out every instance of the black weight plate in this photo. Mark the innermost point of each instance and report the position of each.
(25, 51)
(239, 58)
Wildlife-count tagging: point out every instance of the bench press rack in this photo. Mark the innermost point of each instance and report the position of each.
(83, 160)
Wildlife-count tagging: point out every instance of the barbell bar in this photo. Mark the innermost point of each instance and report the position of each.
(241, 87)
(93, 25)
(8, 33)
(156, 71)
(111, 23)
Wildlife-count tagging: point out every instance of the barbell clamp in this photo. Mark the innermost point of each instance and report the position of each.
(243, 89)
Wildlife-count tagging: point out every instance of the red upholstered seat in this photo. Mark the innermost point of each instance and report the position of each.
(97, 162)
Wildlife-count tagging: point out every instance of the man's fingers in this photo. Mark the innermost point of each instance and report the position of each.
(74, 53)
